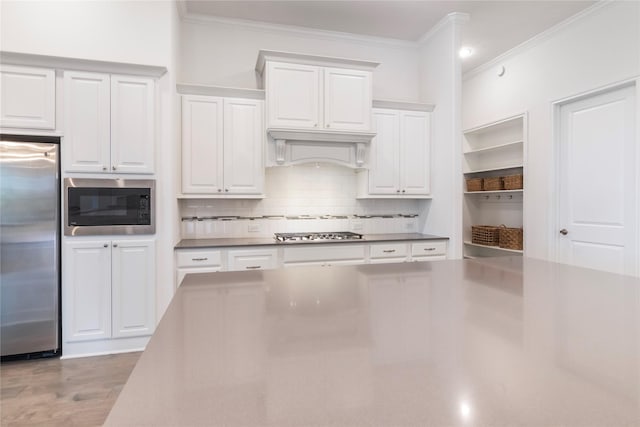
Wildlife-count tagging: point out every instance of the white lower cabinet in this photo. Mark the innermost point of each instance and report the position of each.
(324, 255)
(108, 289)
(432, 250)
(252, 259)
(388, 252)
(197, 261)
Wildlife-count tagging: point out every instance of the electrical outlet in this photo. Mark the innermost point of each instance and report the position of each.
(253, 228)
(409, 226)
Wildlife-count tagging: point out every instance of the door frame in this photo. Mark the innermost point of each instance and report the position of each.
(554, 182)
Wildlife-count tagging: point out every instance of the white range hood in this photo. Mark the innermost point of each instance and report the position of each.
(318, 109)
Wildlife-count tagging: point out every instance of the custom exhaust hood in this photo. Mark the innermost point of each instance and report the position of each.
(318, 109)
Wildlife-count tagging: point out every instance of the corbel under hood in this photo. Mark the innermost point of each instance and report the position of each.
(289, 146)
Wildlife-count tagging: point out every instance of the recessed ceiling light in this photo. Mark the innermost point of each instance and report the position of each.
(465, 52)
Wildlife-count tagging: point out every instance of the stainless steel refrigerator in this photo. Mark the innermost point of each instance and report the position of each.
(29, 245)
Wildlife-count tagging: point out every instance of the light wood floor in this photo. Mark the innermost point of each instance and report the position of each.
(54, 392)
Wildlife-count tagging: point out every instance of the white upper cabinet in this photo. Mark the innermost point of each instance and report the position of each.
(399, 164)
(87, 122)
(415, 162)
(109, 123)
(347, 99)
(222, 151)
(28, 97)
(202, 144)
(243, 130)
(293, 96)
(132, 124)
(318, 98)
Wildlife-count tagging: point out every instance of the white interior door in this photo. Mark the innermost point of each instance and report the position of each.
(598, 220)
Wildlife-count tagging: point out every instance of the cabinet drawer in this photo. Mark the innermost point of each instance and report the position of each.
(198, 258)
(264, 259)
(388, 250)
(430, 248)
(341, 252)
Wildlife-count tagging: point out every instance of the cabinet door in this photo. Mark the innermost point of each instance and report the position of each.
(28, 97)
(243, 141)
(385, 153)
(293, 96)
(202, 133)
(86, 291)
(87, 128)
(133, 288)
(347, 99)
(415, 166)
(132, 124)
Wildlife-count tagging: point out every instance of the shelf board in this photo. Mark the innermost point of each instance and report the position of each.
(495, 192)
(513, 121)
(496, 248)
(494, 148)
(495, 169)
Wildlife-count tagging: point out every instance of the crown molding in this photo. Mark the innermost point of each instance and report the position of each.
(209, 90)
(196, 18)
(535, 40)
(402, 105)
(453, 17)
(79, 64)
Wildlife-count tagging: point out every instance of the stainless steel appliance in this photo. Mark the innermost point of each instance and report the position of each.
(317, 237)
(29, 245)
(109, 206)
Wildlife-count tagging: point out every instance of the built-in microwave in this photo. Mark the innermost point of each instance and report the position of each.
(108, 206)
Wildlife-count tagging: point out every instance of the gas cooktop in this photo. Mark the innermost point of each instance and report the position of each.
(317, 237)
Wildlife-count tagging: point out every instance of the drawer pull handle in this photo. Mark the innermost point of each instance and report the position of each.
(429, 249)
(199, 259)
(389, 251)
(253, 267)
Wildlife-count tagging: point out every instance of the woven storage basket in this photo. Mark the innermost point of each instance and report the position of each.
(493, 183)
(474, 184)
(485, 235)
(511, 238)
(512, 182)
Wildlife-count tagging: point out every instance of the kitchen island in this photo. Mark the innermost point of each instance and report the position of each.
(506, 341)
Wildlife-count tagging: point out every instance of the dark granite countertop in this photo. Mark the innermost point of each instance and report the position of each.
(270, 241)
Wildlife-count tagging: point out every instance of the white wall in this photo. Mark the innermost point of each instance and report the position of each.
(120, 31)
(598, 49)
(138, 32)
(224, 54)
(440, 73)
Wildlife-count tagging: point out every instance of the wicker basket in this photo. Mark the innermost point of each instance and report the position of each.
(485, 235)
(474, 184)
(511, 238)
(492, 183)
(512, 182)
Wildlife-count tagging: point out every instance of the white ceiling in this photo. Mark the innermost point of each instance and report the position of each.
(494, 28)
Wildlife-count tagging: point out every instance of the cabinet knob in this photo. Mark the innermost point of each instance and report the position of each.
(564, 232)
(403, 191)
(104, 168)
(219, 190)
(397, 191)
(315, 125)
(327, 124)
(106, 245)
(226, 190)
(115, 245)
(113, 168)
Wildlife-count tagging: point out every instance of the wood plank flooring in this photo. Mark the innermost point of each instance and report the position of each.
(54, 392)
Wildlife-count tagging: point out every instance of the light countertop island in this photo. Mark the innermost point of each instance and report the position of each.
(498, 342)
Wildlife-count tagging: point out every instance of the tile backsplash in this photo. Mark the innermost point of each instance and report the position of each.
(309, 197)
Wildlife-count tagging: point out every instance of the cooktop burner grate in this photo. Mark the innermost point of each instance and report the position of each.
(317, 237)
